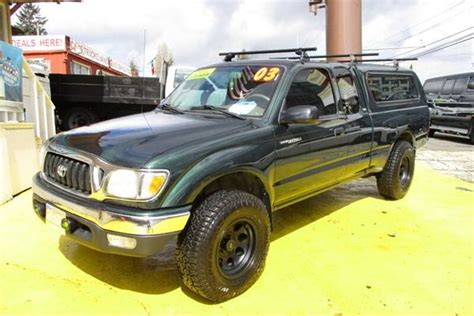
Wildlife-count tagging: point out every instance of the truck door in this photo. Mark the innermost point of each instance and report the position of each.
(309, 157)
(358, 129)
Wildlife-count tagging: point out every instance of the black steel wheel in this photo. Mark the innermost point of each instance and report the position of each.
(395, 179)
(77, 117)
(236, 248)
(222, 250)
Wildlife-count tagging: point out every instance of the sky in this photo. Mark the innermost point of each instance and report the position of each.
(197, 30)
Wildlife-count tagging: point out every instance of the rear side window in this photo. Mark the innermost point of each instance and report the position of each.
(387, 88)
(433, 86)
(448, 86)
(460, 85)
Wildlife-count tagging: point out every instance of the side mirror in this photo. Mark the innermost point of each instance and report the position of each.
(300, 114)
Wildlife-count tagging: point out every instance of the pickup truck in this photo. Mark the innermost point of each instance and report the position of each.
(451, 101)
(234, 142)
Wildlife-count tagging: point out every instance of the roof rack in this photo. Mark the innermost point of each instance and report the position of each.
(301, 52)
(352, 56)
(376, 60)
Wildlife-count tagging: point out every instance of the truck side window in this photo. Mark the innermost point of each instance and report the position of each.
(470, 85)
(392, 87)
(348, 91)
(312, 87)
(448, 86)
(460, 85)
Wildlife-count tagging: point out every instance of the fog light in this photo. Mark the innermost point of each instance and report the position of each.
(121, 241)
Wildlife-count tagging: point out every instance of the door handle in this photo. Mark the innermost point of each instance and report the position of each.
(353, 129)
(339, 131)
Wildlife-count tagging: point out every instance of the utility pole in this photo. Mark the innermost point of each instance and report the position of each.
(343, 25)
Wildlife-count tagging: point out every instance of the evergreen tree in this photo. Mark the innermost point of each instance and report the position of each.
(133, 68)
(31, 21)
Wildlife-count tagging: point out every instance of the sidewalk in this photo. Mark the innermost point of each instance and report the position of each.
(345, 252)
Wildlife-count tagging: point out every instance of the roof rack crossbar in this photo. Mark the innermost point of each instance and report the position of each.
(301, 52)
(395, 61)
(330, 56)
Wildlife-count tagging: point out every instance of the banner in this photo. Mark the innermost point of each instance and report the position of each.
(11, 72)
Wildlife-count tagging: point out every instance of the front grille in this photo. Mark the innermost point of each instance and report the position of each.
(73, 174)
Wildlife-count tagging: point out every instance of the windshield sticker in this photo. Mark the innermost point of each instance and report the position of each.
(243, 107)
(265, 74)
(201, 74)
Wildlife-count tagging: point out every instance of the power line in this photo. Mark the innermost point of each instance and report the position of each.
(389, 48)
(431, 27)
(441, 47)
(434, 42)
(422, 22)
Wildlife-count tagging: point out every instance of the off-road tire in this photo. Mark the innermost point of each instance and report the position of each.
(395, 179)
(199, 245)
(77, 117)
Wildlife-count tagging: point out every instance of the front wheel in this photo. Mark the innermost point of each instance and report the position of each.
(222, 251)
(395, 179)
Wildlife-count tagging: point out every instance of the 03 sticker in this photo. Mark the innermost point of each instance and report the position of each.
(266, 74)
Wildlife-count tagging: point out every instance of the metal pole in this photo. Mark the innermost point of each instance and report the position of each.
(5, 32)
(343, 27)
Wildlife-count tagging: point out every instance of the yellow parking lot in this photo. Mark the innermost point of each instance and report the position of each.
(345, 252)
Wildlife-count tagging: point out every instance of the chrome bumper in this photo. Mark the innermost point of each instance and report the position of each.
(167, 221)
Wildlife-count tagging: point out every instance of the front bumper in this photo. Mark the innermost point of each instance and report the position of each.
(94, 221)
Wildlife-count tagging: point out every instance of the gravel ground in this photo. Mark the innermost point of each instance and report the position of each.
(449, 154)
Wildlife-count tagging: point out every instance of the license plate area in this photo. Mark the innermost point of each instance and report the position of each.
(54, 216)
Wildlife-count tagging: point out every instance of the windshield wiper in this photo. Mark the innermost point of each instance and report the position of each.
(167, 107)
(217, 109)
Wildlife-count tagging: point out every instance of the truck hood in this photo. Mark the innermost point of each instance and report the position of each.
(131, 141)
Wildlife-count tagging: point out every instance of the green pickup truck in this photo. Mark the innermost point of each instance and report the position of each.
(233, 143)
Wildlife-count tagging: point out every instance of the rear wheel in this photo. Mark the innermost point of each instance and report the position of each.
(222, 251)
(395, 179)
(77, 117)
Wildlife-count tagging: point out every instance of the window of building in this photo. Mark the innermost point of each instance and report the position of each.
(80, 69)
(392, 87)
(312, 87)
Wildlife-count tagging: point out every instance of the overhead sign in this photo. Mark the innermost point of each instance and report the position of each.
(11, 72)
(33, 43)
(89, 53)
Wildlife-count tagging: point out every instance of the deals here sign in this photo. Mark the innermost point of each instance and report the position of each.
(11, 72)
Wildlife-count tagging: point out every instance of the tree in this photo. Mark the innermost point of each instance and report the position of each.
(243, 56)
(31, 21)
(133, 68)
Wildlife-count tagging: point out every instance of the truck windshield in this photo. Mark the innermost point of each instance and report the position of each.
(244, 89)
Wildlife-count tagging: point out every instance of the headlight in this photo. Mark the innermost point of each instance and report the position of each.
(136, 185)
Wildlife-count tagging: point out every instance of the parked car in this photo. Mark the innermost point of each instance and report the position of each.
(454, 88)
(451, 100)
(233, 143)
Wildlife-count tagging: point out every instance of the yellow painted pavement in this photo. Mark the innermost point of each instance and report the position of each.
(345, 252)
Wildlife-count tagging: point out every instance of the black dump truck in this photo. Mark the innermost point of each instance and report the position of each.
(451, 100)
(234, 142)
(83, 99)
